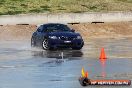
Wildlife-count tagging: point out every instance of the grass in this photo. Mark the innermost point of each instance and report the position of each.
(11, 7)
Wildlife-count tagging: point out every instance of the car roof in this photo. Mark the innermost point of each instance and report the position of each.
(50, 24)
(53, 24)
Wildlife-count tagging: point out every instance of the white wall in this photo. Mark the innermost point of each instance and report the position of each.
(65, 18)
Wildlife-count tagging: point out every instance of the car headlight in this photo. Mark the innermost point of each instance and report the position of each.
(79, 37)
(52, 37)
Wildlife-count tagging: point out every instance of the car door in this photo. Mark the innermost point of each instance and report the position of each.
(39, 35)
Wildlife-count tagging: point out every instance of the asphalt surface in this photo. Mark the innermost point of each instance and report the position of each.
(24, 67)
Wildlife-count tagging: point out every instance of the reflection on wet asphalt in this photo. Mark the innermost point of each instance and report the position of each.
(24, 67)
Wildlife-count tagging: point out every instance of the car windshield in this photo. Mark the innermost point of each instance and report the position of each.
(57, 28)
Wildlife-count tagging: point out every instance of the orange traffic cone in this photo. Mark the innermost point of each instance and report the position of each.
(102, 55)
(86, 74)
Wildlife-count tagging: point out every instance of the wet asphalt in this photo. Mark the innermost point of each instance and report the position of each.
(24, 67)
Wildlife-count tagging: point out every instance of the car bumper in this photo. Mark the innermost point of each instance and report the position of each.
(55, 43)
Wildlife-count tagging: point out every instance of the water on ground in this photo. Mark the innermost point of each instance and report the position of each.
(24, 67)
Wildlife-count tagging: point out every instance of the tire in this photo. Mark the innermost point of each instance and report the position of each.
(33, 44)
(76, 48)
(45, 44)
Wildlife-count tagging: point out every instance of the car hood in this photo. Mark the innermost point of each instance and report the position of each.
(73, 34)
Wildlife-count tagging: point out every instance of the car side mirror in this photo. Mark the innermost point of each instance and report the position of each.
(72, 30)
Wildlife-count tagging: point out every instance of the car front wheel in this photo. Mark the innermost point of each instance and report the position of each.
(45, 44)
(76, 48)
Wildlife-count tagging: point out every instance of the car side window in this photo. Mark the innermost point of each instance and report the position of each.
(40, 29)
(46, 28)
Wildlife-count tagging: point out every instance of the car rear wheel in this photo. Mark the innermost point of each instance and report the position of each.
(33, 44)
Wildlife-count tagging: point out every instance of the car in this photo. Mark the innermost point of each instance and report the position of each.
(52, 36)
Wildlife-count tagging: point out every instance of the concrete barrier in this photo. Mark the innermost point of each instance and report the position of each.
(66, 18)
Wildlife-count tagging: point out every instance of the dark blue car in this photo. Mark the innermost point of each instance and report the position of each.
(54, 35)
